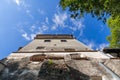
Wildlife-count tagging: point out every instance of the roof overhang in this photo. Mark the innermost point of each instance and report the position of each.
(111, 50)
(54, 36)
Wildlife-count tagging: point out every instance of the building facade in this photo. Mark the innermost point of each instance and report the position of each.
(60, 44)
(69, 51)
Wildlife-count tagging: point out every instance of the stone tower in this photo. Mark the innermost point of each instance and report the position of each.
(59, 57)
(57, 44)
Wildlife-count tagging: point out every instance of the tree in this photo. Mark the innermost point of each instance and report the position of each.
(102, 9)
(114, 38)
(99, 8)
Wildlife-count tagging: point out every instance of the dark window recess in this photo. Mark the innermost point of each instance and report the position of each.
(47, 40)
(40, 47)
(69, 49)
(63, 40)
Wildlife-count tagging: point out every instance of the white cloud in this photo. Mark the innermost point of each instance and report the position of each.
(24, 6)
(29, 13)
(103, 45)
(77, 25)
(17, 2)
(44, 28)
(59, 19)
(62, 21)
(28, 37)
(92, 44)
(102, 28)
(41, 12)
(25, 35)
(29, 31)
(46, 20)
(32, 36)
(21, 3)
(89, 43)
(32, 28)
(73, 28)
(53, 27)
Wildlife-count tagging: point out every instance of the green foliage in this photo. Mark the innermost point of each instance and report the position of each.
(101, 9)
(50, 62)
(114, 38)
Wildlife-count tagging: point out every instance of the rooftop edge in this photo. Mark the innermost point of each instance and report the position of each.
(54, 36)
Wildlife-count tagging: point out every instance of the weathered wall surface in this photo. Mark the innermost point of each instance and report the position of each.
(94, 55)
(1, 66)
(54, 45)
(114, 65)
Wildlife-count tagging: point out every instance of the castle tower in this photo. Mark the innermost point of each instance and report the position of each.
(65, 53)
(57, 44)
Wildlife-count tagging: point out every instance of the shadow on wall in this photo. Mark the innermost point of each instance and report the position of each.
(77, 75)
(53, 71)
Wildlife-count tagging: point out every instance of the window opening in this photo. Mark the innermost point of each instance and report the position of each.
(63, 40)
(69, 49)
(47, 40)
(40, 47)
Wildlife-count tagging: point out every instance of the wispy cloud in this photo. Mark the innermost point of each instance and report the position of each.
(32, 28)
(29, 13)
(59, 19)
(29, 31)
(93, 45)
(41, 12)
(43, 28)
(33, 36)
(103, 45)
(101, 28)
(22, 5)
(53, 27)
(77, 25)
(28, 36)
(25, 35)
(46, 20)
(17, 2)
(89, 43)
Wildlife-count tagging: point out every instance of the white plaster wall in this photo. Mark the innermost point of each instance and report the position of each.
(95, 55)
(98, 55)
(55, 44)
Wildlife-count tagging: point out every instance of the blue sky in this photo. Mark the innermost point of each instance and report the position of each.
(21, 20)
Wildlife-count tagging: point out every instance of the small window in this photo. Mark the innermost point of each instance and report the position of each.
(63, 40)
(40, 47)
(47, 40)
(69, 49)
